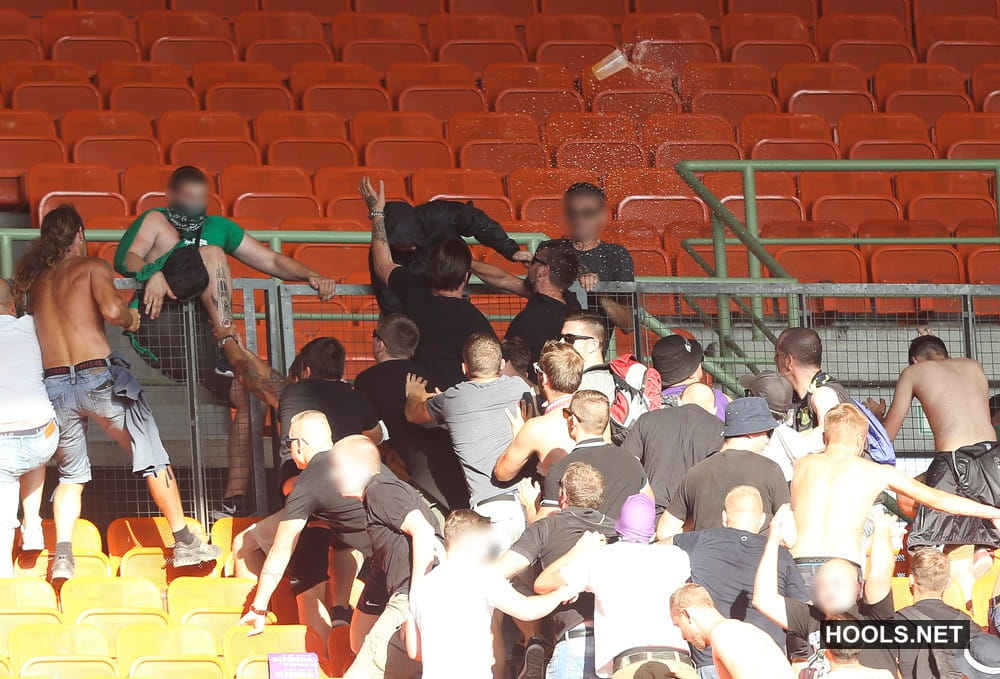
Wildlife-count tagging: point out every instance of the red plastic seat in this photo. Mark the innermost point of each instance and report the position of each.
(600, 156)
(960, 41)
(93, 189)
(925, 89)
(504, 76)
(976, 228)
(909, 185)
(341, 262)
(465, 127)
(273, 208)
(421, 9)
(340, 88)
(237, 180)
(410, 153)
(61, 23)
(803, 9)
(114, 73)
(332, 182)
(853, 210)
(176, 125)
(501, 142)
(711, 10)
(544, 188)
(153, 99)
(378, 39)
(894, 264)
(688, 136)
(157, 23)
(325, 10)
(983, 265)
(898, 9)
(211, 140)
(210, 73)
(974, 8)
(985, 85)
(538, 102)
(867, 40)
(20, 48)
(304, 139)
(657, 211)
(900, 229)
(884, 135)
(634, 92)
(20, 152)
(26, 123)
(812, 229)
(483, 187)
(623, 183)
(768, 40)
(250, 99)
(114, 138)
(951, 209)
(563, 127)
(827, 89)
(189, 51)
(14, 22)
(140, 180)
(281, 39)
(786, 135)
(575, 40)
(369, 125)
(731, 90)
(827, 264)
(946, 197)
(968, 135)
(55, 98)
(475, 40)
(227, 9)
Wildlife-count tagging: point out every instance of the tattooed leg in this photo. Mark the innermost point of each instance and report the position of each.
(217, 297)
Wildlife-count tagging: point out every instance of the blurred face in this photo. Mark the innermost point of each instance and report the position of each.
(836, 587)
(586, 216)
(479, 546)
(348, 474)
(691, 632)
(190, 199)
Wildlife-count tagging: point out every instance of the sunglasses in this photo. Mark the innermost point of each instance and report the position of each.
(538, 260)
(288, 441)
(570, 338)
(568, 413)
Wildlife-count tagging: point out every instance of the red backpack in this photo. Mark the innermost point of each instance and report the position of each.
(637, 391)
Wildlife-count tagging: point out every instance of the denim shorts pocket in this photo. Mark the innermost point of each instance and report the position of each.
(102, 398)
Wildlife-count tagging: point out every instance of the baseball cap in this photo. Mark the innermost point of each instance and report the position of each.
(637, 520)
(676, 358)
(749, 415)
(981, 660)
(772, 387)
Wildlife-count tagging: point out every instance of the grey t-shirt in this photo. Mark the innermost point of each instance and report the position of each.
(480, 432)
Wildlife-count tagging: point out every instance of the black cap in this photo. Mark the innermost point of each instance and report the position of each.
(749, 415)
(981, 660)
(676, 358)
(772, 387)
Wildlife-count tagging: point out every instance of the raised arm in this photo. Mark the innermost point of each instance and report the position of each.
(498, 278)
(380, 251)
(416, 410)
(766, 597)
(520, 450)
(881, 561)
(552, 578)
(902, 398)
(286, 537)
(934, 498)
(255, 254)
(114, 310)
(258, 377)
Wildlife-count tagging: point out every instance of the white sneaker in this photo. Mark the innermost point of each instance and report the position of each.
(32, 538)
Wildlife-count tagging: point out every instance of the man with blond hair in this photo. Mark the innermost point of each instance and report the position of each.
(559, 370)
(840, 478)
(739, 650)
(586, 332)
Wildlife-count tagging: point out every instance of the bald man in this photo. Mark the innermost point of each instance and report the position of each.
(28, 430)
(282, 542)
(739, 650)
(700, 395)
(404, 537)
(724, 561)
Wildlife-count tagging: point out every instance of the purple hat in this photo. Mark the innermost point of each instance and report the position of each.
(637, 521)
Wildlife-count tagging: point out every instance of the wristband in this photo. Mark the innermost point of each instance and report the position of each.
(376, 213)
(223, 340)
(258, 611)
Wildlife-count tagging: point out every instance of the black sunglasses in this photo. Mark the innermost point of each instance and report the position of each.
(538, 260)
(288, 441)
(570, 338)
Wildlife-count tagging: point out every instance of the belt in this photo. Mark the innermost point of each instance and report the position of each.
(48, 429)
(69, 369)
(635, 655)
(575, 633)
(502, 497)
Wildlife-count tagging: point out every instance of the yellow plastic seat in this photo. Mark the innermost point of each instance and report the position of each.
(223, 532)
(901, 595)
(216, 621)
(60, 651)
(138, 642)
(86, 536)
(5, 668)
(82, 594)
(26, 593)
(186, 594)
(36, 565)
(112, 620)
(237, 646)
(153, 564)
(174, 667)
(15, 617)
(254, 667)
(146, 531)
(982, 591)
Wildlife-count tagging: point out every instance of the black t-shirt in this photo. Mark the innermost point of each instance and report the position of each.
(388, 501)
(550, 538)
(724, 561)
(540, 320)
(384, 385)
(915, 663)
(804, 620)
(669, 442)
(314, 496)
(623, 475)
(347, 411)
(702, 491)
(610, 261)
(444, 322)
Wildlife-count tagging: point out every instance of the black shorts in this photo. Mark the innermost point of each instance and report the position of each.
(309, 565)
(376, 593)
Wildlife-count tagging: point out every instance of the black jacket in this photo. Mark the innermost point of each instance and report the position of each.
(428, 224)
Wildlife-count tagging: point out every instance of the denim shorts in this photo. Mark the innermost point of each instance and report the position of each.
(79, 398)
(20, 454)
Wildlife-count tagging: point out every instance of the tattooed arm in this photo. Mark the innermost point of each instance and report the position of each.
(381, 253)
(258, 377)
(255, 254)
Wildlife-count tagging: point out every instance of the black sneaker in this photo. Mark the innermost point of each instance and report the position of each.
(196, 553)
(237, 505)
(224, 367)
(341, 616)
(534, 660)
(62, 568)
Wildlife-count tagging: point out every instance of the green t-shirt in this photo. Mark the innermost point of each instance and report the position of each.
(220, 231)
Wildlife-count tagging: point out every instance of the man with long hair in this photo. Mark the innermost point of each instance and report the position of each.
(71, 296)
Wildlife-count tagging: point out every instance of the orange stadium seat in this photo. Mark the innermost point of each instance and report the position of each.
(900, 229)
(968, 135)
(112, 74)
(238, 180)
(899, 9)
(88, 36)
(962, 42)
(666, 26)
(575, 40)
(532, 88)
(827, 89)
(332, 182)
(158, 23)
(370, 125)
(975, 228)
(465, 127)
(421, 9)
(731, 90)
(36, 8)
(14, 22)
(153, 99)
(130, 8)
(768, 40)
(623, 183)
(20, 48)
(702, 136)
(140, 180)
(815, 185)
(864, 39)
(306, 74)
(115, 138)
(634, 92)
(946, 197)
(441, 89)
(501, 142)
(26, 123)
(307, 139)
(810, 229)
(343, 263)
(909, 185)
(925, 89)
(429, 183)
(19, 153)
(977, 8)
(281, 39)
(803, 9)
(51, 86)
(657, 210)
(563, 127)
(538, 192)
(787, 135)
(712, 10)
(340, 88)
(211, 73)
(600, 156)
(402, 76)
(175, 125)
(827, 264)
(405, 140)
(93, 189)
(325, 10)
(227, 9)
(242, 87)
(884, 135)
(776, 200)
(378, 39)
(474, 40)
(849, 197)
(894, 264)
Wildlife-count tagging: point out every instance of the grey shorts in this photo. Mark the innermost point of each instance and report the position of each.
(20, 454)
(373, 654)
(79, 398)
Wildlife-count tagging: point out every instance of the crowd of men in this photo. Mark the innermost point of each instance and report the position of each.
(505, 519)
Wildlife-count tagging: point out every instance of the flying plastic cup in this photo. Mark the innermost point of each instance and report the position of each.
(609, 65)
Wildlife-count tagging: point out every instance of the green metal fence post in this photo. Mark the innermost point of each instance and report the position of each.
(751, 217)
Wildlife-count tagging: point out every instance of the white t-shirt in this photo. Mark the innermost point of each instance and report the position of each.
(453, 609)
(787, 446)
(24, 402)
(632, 584)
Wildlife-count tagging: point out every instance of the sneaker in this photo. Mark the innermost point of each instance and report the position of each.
(198, 552)
(237, 505)
(32, 538)
(62, 568)
(534, 661)
(341, 616)
(224, 367)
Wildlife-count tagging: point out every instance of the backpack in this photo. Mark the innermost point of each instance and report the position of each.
(879, 445)
(941, 662)
(637, 391)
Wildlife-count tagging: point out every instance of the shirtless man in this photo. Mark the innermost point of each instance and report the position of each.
(954, 394)
(740, 650)
(71, 296)
(833, 491)
(845, 663)
(547, 436)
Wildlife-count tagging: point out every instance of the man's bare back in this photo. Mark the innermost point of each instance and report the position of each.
(831, 497)
(742, 651)
(545, 436)
(954, 394)
(70, 304)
